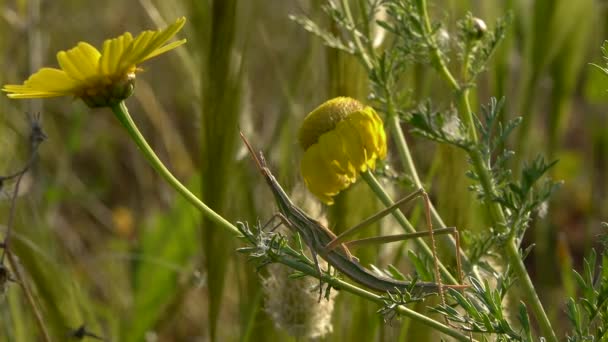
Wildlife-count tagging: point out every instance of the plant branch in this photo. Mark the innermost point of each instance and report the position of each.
(122, 113)
(526, 283)
(362, 51)
(496, 210)
(408, 163)
(435, 53)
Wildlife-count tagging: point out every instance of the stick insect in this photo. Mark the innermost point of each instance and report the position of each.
(324, 243)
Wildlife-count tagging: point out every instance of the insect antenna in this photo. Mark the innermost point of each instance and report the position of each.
(259, 160)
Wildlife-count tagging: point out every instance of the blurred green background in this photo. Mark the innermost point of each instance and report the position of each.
(106, 243)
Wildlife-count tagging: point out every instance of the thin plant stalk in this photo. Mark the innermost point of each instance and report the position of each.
(496, 211)
(408, 163)
(122, 113)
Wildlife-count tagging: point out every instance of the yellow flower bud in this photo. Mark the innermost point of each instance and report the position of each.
(341, 138)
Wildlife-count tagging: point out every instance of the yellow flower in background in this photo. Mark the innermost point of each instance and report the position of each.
(99, 78)
(341, 138)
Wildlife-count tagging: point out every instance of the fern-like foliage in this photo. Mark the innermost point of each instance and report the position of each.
(589, 313)
(484, 312)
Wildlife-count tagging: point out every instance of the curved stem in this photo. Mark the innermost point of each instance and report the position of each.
(486, 180)
(468, 112)
(403, 221)
(122, 113)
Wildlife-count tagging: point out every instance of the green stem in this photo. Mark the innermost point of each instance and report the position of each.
(435, 53)
(466, 103)
(403, 221)
(495, 209)
(482, 171)
(342, 285)
(367, 32)
(408, 163)
(362, 51)
(496, 212)
(122, 113)
(522, 274)
(469, 115)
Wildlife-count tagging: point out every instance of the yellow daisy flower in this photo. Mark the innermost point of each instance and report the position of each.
(341, 138)
(99, 78)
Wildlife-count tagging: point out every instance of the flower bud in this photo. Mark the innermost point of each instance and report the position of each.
(341, 138)
(476, 29)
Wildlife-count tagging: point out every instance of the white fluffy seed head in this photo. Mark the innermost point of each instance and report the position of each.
(293, 304)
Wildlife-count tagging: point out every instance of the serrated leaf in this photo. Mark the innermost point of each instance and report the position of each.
(579, 279)
(296, 275)
(524, 319)
(487, 322)
(423, 272)
(526, 252)
(462, 301)
(395, 273)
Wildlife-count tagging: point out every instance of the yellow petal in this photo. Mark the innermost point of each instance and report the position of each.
(371, 133)
(47, 82)
(138, 48)
(354, 149)
(380, 134)
(319, 176)
(112, 54)
(81, 62)
(334, 154)
(164, 49)
(146, 44)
